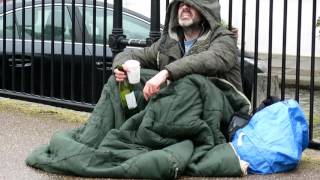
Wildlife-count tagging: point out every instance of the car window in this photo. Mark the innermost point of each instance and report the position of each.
(133, 28)
(47, 23)
(99, 22)
(9, 26)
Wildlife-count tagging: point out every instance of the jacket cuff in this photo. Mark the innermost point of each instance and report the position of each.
(172, 73)
(119, 59)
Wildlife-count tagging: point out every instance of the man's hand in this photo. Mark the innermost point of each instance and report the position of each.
(152, 86)
(121, 75)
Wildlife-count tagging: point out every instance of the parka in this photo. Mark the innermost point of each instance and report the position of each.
(214, 54)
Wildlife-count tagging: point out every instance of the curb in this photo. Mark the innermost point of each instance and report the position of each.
(42, 110)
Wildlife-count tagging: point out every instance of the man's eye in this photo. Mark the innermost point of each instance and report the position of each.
(182, 4)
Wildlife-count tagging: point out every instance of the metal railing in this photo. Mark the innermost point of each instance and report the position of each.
(67, 66)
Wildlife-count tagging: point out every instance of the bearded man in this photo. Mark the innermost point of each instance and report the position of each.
(193, 42)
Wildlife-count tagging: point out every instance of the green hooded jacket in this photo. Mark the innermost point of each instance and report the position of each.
(212, 55)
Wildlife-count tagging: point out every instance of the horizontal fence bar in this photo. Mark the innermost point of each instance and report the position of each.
(134, 42)
(48, 100)
(314, 145)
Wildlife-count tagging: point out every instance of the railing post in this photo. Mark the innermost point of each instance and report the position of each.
(155, 22)
(117, 30)
(312, 124)
(230, 15)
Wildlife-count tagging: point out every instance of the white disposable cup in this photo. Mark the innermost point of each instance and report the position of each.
(133, 72)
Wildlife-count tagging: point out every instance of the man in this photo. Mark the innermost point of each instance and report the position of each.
(193, 42)
(181, 130)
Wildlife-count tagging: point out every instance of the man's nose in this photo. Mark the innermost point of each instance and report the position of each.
(184, 6)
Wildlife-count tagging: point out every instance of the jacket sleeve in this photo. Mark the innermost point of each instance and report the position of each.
(218, 59)
(146, 56)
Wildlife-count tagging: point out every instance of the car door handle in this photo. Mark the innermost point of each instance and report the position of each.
(19, 62)
(99, 65)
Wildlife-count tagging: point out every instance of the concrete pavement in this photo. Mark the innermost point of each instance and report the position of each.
(21, 131)
(19, 134)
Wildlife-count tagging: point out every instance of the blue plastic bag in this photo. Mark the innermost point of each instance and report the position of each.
(274, 139)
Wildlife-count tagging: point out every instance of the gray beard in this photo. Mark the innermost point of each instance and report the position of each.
(192, 27)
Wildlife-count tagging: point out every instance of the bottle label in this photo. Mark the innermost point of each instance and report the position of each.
(131, 100)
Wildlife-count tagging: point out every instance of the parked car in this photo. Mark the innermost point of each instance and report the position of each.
(57, 80)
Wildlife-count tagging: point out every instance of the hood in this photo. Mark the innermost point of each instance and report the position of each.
(210, 10)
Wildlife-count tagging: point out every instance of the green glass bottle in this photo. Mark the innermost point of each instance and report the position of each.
(127, 96)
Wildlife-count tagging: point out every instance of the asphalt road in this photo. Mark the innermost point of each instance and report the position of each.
(20, 133)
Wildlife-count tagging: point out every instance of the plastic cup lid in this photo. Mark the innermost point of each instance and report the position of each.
(132, 63)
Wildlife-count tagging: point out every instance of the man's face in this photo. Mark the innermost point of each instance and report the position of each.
(187, 15)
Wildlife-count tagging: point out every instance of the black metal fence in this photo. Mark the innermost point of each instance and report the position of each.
(60, 52)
